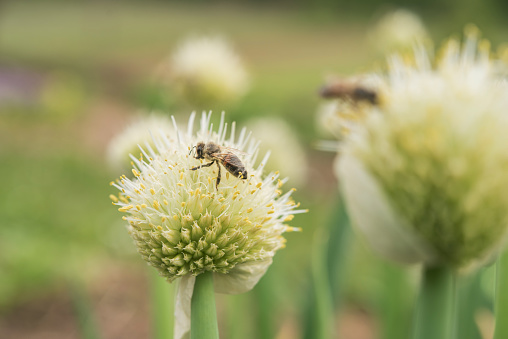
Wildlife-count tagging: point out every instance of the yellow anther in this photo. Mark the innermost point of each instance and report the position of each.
(277, 172)
(111, 183)
(175, 217)
(288, 218)
(152, 191)
(259, 184)
(125, 208)
(183, 203)
(138, 207)
(270, 212)
(144, 205)
(159, 228)
(124, 218)
(163, 219)
(181, 176)
(270, 204)
(142, 186)
(222, 199)
(253, 191)
(135, 172)
(180, 184)
(123, 199)
(250, 210)
(122, 181)
(113, 197)
(279, 183)
(156, 205)
(165, 202)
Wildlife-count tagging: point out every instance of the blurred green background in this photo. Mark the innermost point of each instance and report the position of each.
(73, 73)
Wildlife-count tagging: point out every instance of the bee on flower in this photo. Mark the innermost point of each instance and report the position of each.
(184, 223)
(425, 172)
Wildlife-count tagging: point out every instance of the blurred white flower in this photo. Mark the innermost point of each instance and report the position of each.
(137, 133)
(398, 30)
(183, 224)
(206, 70)
(425, 177)
(287, 155)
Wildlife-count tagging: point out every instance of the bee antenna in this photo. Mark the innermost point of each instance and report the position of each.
(192, 150)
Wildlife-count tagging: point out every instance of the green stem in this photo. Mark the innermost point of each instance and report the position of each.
(87, 325)
(324, 315)
(203, 313)
(501, 298)
(162, 306)
(434, 317)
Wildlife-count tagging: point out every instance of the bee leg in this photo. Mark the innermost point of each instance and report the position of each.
(218, 178)
(205, 165)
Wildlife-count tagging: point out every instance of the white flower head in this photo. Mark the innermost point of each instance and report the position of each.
(398, 30)
(127, 142)
(425, 177)
(206, 70)
(287, 155)
(184, 224)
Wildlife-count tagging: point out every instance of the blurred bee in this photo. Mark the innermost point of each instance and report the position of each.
(221, 156)
(355, 91)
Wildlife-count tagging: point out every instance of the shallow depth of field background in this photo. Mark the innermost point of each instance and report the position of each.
(71, 76)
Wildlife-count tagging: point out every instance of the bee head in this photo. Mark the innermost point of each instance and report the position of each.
(199, 150)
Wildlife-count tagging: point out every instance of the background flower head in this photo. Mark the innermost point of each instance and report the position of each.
(138, 133)
(398, 30)
(435, 150)
(206, 70)
(286, 152)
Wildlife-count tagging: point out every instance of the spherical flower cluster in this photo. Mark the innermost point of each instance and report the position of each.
(287, 154)
(426, 176)
(137, 133)
(205, 70)
(399, 30)
(183, 223)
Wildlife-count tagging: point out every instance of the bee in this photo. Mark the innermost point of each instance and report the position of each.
(343, 89)
(219, 155)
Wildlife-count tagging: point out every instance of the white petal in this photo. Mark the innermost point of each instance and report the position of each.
(183, 307)
(242, 278)
(370, 212)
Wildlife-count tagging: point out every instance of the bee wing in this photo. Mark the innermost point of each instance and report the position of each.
(233, 150)
(229, 158)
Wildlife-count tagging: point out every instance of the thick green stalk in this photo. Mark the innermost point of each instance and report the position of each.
(501, 308)
(434, 314)
(393, 300)
(324, 313)
(203, 312)
(162, 306)
(469, 301)
(88, 328)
